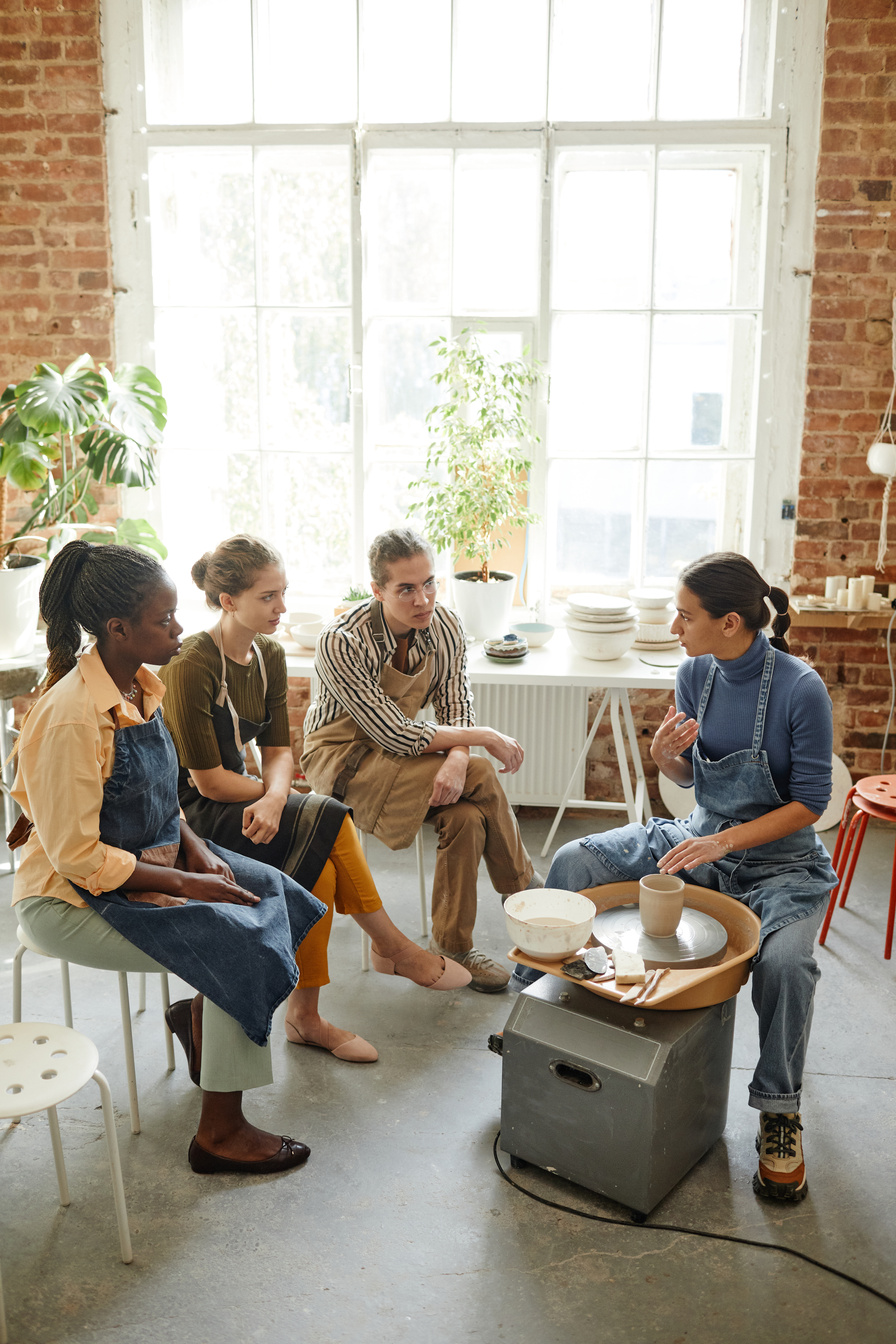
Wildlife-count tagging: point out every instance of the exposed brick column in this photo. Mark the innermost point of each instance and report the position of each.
(849, 375)
(55, 258)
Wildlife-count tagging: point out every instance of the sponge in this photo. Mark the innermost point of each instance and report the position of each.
(629, 967)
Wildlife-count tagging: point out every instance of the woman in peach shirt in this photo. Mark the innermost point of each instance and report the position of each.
(112, 877)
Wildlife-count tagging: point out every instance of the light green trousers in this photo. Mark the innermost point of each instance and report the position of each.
(230, 1061)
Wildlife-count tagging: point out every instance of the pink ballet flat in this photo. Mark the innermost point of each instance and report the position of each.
(453, 976)
(355, 1050)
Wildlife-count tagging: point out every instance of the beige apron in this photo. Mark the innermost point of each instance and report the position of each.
(341, 760)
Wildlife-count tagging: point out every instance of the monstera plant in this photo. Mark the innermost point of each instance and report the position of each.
(62, 433)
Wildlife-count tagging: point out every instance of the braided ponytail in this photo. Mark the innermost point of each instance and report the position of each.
(84, 587)
(63, 629)
(725, 581)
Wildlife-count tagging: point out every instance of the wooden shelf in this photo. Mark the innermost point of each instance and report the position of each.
(836, 617)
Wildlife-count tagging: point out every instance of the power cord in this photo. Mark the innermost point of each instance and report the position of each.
(688, 1231)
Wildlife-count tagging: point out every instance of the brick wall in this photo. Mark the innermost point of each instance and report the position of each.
(849, 375)
(55, 260)
(57, 300)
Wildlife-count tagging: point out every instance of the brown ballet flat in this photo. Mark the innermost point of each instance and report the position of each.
(291, 1154)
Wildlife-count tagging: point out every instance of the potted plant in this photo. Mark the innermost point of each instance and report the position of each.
(473, 487)
(353, 598)
(61, 433)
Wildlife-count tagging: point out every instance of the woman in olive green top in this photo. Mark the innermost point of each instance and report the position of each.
(226, 687)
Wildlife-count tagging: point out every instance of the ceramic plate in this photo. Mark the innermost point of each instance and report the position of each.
(598, 604)
(698, 941)
(586, 618)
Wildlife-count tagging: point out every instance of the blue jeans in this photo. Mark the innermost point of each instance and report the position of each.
(784, 971)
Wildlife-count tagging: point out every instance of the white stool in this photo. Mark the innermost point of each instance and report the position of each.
(421, 882)
(42, 1064)
(27, 943)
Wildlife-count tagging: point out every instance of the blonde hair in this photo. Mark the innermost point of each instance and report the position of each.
(401, 543)
(232, 567)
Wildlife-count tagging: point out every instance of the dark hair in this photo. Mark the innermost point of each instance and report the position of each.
(231, 567)
(86, 586)
(401, 543)
(725, 581)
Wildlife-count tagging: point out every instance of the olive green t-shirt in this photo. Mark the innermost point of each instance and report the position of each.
(192, 682)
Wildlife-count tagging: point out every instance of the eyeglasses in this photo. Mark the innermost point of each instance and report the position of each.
(408, 591)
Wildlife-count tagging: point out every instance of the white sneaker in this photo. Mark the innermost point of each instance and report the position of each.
(782, 1172)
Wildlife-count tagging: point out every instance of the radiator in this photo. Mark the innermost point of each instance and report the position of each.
(551, 724)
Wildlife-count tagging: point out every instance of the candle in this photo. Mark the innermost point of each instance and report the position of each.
(833, 585)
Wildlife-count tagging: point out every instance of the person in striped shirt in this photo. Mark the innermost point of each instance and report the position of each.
(378, 666)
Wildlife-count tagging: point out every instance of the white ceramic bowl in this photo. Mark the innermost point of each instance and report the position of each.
(564, 920)
(598, 627)
(535, 633)
(654, 634)
(303, 618)
(623, 618)
(651, 597)
(306, 635)
(602, 645)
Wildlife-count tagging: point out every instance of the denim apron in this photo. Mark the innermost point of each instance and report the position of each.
(309, 823)
(241, 957)
(782, 881)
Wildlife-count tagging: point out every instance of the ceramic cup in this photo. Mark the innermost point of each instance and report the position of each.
(660, 901)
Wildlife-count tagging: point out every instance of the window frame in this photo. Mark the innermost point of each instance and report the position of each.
(789, 135)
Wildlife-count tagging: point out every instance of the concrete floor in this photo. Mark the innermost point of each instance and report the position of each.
(400, 1229)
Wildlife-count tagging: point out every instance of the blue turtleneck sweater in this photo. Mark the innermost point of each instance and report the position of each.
(798, 722)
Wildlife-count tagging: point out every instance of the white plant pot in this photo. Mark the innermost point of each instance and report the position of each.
(19, 588)
(484, 608)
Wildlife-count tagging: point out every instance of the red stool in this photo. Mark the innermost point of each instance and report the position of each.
(874, 796)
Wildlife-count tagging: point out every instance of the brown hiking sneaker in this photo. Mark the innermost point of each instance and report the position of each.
(782, 1172)
(487, 976)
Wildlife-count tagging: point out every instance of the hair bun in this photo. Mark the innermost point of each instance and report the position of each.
(200, 570)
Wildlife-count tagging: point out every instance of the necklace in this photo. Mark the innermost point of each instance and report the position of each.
(131, 695)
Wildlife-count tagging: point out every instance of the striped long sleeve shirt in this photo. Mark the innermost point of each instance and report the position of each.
(347, 664)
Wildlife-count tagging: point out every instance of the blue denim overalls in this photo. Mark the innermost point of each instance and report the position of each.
(241, 957)
(785, 881)
(781, 881)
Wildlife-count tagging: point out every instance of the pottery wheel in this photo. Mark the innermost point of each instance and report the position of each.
(698, 941)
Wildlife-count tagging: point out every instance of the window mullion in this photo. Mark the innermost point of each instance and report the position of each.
(356, 370)
(537, 584)
(639, 521)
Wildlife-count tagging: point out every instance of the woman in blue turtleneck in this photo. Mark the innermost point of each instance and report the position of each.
(752, 731)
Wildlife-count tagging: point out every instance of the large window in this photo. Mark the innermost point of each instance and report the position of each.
(305, 195)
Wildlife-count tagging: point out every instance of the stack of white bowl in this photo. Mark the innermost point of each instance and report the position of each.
(600, 626)
(655, 616)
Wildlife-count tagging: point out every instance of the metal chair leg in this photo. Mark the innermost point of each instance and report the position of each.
(859, 836)
(56, 1139)
(169, 1039)
(421, 879)
(130, 1064)
(121, 1212)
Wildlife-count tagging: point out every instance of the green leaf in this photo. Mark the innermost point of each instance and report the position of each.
(124, 461)
(52, 402)
(140, 534)
(25, 464)
(135, 404)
